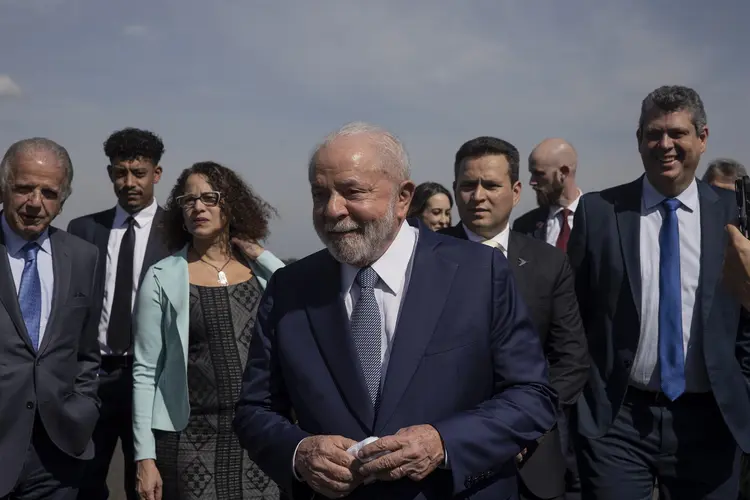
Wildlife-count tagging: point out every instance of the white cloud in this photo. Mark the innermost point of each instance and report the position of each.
(8, 87)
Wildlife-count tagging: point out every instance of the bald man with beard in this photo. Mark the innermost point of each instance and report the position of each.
(552, 165)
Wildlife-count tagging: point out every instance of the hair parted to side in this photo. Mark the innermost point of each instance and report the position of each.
(394, 160)
(724, 167)
(32, 145)
(480, 147)
(132, 143)
(246, 213)
(422, 195)
(673, 98)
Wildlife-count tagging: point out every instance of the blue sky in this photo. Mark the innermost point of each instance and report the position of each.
(256, 84)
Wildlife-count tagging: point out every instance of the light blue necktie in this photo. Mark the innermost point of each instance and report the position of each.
(30, 293)
(365, 324)
(671, 353)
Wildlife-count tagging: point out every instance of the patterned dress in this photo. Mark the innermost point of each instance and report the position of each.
(205, 460)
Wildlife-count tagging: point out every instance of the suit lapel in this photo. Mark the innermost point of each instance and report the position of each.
(428, 289)
(515, 252)
(8, 294)
(540, 226)
(102, 229)
(628, 214)
(155, 248)
(713, 239)
(331, 330)
(62, 274)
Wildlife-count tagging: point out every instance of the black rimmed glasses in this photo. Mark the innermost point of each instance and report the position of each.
(209, 199)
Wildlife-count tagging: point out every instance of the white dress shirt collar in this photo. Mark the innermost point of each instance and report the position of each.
(391, 266)
(652, 198)
(502, 238)
(142, 217)
(14, 243)
(556, 209)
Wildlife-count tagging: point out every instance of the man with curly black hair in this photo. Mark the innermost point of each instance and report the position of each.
(129, 236)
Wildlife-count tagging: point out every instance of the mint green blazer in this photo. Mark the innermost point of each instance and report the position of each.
(161, 324)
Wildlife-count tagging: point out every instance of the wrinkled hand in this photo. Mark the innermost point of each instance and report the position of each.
(736, 271)
(148, 480)
(252, 249)
(521, 456)
(413, 452)
(323, 463)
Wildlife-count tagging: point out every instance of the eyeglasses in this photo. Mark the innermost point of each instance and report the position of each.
(209, 199)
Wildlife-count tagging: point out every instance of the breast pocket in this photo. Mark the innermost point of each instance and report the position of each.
(449, 344)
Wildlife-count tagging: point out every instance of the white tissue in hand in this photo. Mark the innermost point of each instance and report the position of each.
(354, 449)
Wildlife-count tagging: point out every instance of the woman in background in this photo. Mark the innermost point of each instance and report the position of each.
(193, 321)
(432, 203)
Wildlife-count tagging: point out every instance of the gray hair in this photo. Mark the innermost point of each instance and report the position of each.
(394, 160)
(671, 98)
(36, 144)
(725, 167)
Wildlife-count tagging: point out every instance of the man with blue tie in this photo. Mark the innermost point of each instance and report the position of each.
(394, 332)
(668, 396)
(49, 355)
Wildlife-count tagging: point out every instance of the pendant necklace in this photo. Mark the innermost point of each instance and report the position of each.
(223, 281)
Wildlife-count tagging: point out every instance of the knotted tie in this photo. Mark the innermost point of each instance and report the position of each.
(562, 238)
(119, 329)
(30, 293)
(671, 353)
(494, 244)
(365, 324)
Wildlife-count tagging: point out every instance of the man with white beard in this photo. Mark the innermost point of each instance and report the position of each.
(392, 332)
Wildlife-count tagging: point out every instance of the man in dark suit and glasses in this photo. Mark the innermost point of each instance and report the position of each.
(129, 236)
(487, 188)
(392, 331)
(49, 356)
(668, 395)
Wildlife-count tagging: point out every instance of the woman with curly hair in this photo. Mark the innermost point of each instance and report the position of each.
(193, 320)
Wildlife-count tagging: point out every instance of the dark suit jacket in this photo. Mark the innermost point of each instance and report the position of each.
(95, 229)
(465, 359)
(533, 223)
(604, 249)
(60, 381)
(545, 281)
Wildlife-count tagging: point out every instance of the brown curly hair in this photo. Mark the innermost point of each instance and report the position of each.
(245, 211)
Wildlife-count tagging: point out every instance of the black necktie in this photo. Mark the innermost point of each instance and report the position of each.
(120, 317)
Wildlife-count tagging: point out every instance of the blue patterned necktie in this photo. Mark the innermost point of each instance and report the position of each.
(671, 353)
(30, 293)
(365, 324)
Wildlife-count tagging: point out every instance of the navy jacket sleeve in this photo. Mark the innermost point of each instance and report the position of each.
(482, 440)
(263, 421)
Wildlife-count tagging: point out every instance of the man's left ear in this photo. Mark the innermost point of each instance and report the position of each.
(516, 193)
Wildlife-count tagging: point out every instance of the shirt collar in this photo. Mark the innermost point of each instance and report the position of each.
(652, 198)
(14, 243)
(392, 265)
(501, 238)
(556, 209)
(142, 218)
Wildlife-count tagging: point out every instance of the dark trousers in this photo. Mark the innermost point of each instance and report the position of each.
(572, 481)
(685, 445)
(115, 422)
(48, 473)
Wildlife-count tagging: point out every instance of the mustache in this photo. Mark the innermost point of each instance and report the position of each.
(341, 226)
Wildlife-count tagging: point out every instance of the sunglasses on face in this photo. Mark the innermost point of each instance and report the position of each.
(209, 199)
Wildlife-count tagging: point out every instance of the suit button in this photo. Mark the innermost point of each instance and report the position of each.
(628, 363)
(29, 405)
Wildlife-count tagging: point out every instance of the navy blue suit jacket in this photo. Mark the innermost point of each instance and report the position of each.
(604, 249)
(465, 359)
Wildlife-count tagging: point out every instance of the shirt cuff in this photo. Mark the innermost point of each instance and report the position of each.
(445, 464)
(294, 460)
